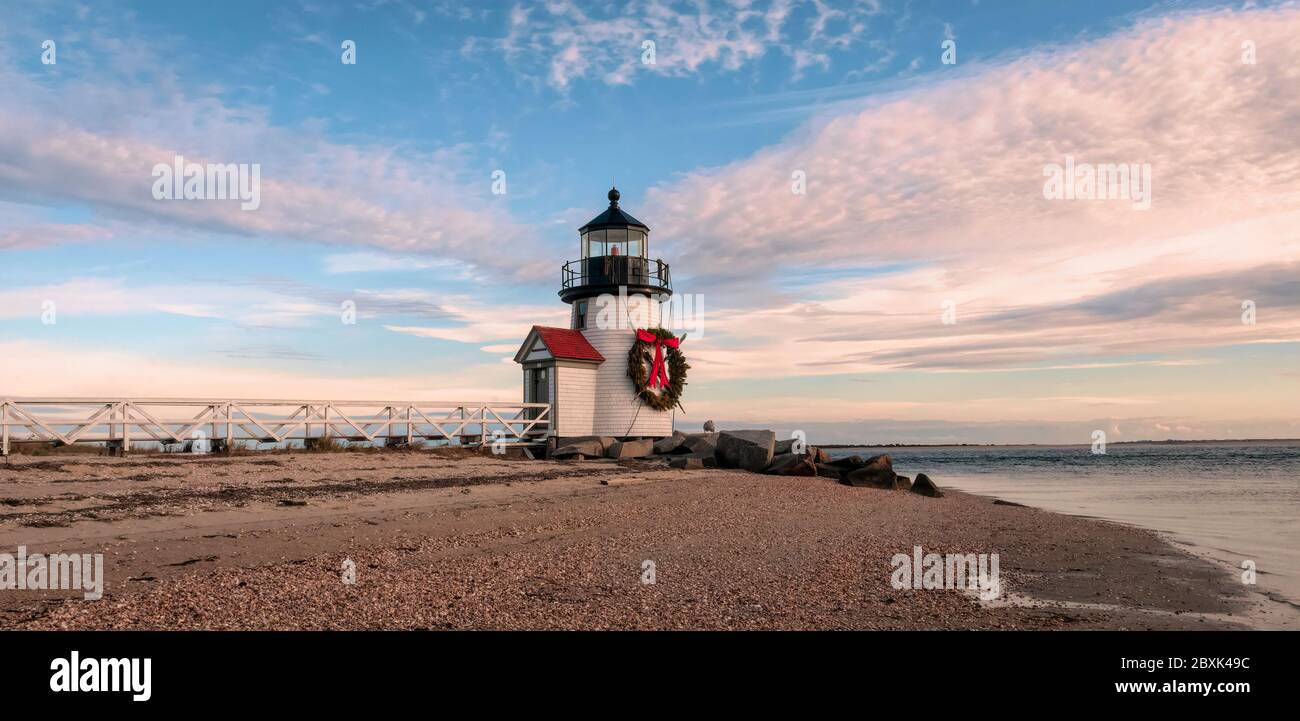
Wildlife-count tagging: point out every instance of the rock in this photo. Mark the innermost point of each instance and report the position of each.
(753, 458)
(924, 486)
(709, 458)
(877, 472)
(825, 470)
(818, 455)
(709, 427)
(791, 464)
(693, 460)
(902, 483)
(849, 462)
(699, 443)
(785, 446)
(750, 450)
(1000, 502)
(631, 449)
(671, 443)
(590, 446)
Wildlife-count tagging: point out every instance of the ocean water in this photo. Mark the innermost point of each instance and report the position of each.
(1230, 501)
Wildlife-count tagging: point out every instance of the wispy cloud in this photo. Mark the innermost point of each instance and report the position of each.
(946, 181)
(93, 140)
(561, 42)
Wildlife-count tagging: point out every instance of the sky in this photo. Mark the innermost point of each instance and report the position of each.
(855, 193)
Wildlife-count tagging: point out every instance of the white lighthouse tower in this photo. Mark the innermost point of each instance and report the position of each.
(615, 288)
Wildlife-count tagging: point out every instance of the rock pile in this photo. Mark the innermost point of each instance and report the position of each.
(752, 450)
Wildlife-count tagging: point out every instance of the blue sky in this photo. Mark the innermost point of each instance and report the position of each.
(923, 186)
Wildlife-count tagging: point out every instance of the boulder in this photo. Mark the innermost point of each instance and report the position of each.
(709, 458)
(671, 443)
(791, 464)
(686, 463)
(752, 458)
(693, 460)
(825, 470)
(924, 486)
(750, 450)
(602, 442)
(819, 455)
(877, 472)
(850, 462)
(699, 443)
(785, 446)
(902, 483)
(590, 447)
(631, 449)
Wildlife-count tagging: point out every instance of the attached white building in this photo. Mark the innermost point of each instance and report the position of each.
(614, 288)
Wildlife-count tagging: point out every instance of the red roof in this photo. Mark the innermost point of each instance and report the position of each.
(568, 344)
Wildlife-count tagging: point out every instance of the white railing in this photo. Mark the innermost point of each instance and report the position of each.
(118, 422)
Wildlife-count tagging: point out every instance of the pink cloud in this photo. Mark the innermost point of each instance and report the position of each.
(945, 182)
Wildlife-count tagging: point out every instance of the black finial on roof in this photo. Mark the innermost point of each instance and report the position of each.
(613, 217)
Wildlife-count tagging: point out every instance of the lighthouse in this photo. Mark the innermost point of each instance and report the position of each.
(610, 372)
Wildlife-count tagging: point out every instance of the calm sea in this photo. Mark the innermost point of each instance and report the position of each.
(1232, 501)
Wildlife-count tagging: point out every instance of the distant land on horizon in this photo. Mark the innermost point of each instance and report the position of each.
(1057, 445)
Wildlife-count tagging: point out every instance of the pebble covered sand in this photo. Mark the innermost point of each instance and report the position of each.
(460, 540)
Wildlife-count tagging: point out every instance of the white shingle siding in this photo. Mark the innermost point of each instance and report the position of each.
(576, 391)
(618, 412)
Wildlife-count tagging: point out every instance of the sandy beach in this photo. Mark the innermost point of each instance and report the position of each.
(454, 539)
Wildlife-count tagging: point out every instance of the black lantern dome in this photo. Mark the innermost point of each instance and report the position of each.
(614, 250)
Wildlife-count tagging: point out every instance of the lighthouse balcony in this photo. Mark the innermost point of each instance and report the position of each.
(605, 274)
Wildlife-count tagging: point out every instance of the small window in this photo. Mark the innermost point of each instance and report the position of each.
(580, 315)
(595, 244)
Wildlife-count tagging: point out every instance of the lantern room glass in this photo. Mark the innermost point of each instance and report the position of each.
(615, 241)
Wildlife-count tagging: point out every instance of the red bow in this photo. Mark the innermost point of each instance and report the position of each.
(658, 371)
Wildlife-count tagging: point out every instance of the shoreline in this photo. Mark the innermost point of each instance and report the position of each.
(462, 540)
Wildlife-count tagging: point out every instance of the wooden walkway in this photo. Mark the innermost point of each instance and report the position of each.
(120, 422)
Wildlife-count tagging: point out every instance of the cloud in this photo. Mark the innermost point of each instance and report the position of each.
(50, 369)
(472, 321)
(370, 262)
(45, 234)
(940, 187)
(573, 41)
(92, 140)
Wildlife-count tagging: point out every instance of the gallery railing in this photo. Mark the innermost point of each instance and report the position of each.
(616, 270)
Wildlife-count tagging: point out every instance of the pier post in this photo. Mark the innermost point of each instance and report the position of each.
(126, 429)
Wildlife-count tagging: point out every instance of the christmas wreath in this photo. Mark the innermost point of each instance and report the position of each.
(661, 387)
